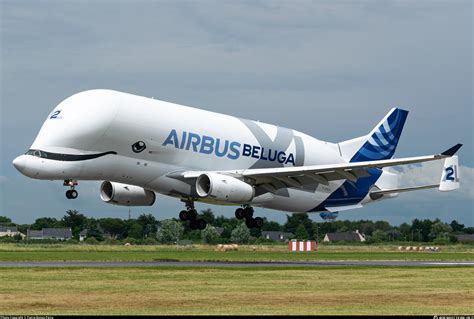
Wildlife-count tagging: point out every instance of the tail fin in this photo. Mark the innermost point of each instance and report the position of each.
(450, 176)
(379, 144)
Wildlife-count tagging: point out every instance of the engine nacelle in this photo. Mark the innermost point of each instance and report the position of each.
(224, 188)
(126, 195)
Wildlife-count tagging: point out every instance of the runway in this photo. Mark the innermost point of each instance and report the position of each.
(227, 264)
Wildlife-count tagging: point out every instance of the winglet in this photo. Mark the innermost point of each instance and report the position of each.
(452, 150)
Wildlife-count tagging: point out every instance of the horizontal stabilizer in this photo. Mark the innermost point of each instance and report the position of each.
(341, 208)
(402, 190)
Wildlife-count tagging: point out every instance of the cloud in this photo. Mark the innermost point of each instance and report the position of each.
(328, 69)
(430, 173)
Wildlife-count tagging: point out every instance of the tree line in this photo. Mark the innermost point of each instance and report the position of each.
(147, 229)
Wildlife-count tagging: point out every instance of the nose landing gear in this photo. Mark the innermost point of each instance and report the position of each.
(247, 213)
(191, 215)
(71, 193)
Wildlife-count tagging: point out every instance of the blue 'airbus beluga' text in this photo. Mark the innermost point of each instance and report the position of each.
(224, 148)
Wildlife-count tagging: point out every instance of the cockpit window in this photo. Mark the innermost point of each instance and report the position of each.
(66, 157)
(37, 153)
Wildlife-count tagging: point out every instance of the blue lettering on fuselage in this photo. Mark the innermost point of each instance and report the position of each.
(224, 148)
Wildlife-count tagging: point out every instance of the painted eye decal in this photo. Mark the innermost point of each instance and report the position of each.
(138, 147)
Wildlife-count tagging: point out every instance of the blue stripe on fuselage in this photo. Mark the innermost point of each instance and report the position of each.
(350, 193)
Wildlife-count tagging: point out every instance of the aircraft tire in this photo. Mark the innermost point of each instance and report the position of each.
(183, 215)
(192, 213)
(193, 225)
(250, 222)
(248, 212)
(239, 213)
(201, 224)
(258, 222)
(73, 194)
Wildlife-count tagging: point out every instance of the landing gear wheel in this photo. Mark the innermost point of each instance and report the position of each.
(250, 222)
(201, 224)
(239, 213)
(193, 225)
(258, 222)
(248, 212)
(184, 215)
(73, 194)
(192, 213)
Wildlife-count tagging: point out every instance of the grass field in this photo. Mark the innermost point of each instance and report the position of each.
(15, 252)
(370, 290)
(214, 290)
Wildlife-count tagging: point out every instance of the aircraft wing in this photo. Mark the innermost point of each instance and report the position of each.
(298, 176)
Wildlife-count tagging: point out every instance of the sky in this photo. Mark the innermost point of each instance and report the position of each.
(331, 69)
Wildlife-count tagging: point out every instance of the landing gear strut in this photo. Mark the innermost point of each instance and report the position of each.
(191, 215)
(247, 213)
(71, 193)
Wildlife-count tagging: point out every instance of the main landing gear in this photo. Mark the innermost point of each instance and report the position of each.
(71, 193)
(247, 213)
(191, 215)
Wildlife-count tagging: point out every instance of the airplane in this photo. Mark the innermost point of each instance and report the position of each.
(140, 146)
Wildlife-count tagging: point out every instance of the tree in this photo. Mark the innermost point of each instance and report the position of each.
(382, 225)
(405, 231)
(93, 230)
(45, 222)
(134, 229)
(240, 235)
(378, 236)
(456, 226)
(421, 229)
(74, 220)
(114, 226)
(209, 235)
(170, 231)
(294, 220)
(208, 216)
(5, 220)
(271, 226)
(440, 230)
(301, 232)
(367, 227)
(148, 223)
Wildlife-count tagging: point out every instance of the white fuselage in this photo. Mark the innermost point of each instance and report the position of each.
(146, 142)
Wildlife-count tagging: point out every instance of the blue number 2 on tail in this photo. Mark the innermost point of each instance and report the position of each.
(449, 173)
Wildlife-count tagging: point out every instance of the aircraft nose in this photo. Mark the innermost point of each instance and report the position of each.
(20, 163)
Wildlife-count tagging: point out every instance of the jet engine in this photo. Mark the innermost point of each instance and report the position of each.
(224, 188)
(126, 195)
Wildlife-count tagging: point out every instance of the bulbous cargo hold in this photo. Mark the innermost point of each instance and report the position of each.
(126, 195)
(224, 188)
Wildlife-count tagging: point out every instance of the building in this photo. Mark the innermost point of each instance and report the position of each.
(50, 233)
(277, 235)
(34, 234)
(346, 236)
(10, 231)
(83, 235)
(466, 238)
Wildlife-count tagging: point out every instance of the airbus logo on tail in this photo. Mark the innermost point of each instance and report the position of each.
(224, 148)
